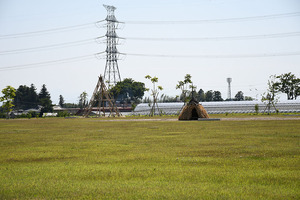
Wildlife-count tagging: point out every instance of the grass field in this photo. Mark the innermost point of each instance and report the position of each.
(98, 159)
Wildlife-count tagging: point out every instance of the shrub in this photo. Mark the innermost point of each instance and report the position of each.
(63, 114)
(256, 108)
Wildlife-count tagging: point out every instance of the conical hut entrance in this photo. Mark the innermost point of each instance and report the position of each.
(193, 111)
(194, 114)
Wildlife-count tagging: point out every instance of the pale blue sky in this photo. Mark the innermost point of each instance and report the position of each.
(72, 78)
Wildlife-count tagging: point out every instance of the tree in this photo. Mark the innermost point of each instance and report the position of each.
(8, 96)
(193, 93)
(33, 96)
(61, 101)
(247, 98)
(44, 93)
(209, 95)
(154, 93)
(239, 96)
(288, 84)
(184, 85)
(256, 108)
(70, 105)
(166, 98)
(201, 95)
(83, 100)
(26, 97)
(45, 100)
(2, 114)
(128, 90)
(269, 97)
(216, 96)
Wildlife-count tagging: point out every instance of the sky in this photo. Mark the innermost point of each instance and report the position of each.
(246, 40)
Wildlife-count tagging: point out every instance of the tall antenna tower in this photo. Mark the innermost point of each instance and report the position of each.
(229, 80)
(111, 72)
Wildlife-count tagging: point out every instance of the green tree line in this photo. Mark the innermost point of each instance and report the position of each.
(132, 92)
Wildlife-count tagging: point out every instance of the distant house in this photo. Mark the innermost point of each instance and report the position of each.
(20, 112)
(58, 108)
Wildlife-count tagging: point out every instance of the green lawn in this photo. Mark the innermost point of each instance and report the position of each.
(98, 159)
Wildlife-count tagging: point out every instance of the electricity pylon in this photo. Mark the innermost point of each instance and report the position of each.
(111, 72)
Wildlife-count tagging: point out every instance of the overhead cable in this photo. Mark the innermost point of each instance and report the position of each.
(83, 42)
(249, 37)
(40, 64)
(253, 18)
(67, 28)
(61, 45)
(86, 57)
(215, 56)
(47, 31)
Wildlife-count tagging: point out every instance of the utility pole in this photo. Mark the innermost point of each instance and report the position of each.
(111, 72)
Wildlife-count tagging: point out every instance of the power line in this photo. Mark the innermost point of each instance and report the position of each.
(277, 35)
(47, 31)
(86, 57)
(254, 18)
(61, 45)
(40, 64)
(83, 42)
(215, 56)
(67, 28)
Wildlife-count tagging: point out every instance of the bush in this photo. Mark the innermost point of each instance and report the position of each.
(33, 114)
(2, 115)
(63, 114)
(256, 108)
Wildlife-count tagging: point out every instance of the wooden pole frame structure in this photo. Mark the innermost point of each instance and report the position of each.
(101, 94)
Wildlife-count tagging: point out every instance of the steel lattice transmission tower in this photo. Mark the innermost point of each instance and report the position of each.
(111, 72)
(101, 94)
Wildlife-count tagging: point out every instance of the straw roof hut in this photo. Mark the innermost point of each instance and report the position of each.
(192, 111)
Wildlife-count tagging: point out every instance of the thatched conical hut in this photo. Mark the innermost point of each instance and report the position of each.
(192, 111)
